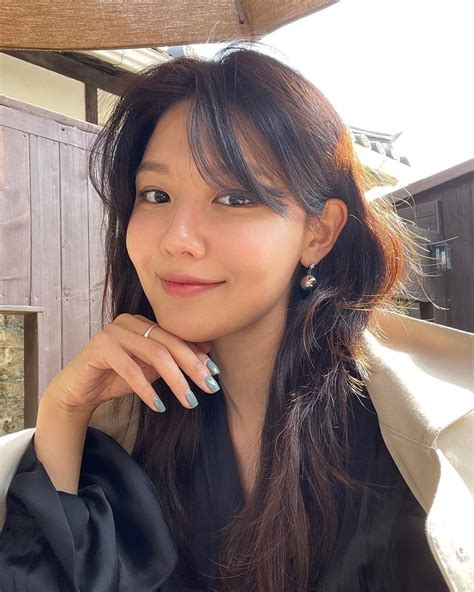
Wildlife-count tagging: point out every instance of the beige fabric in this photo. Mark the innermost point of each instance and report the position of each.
(421, 384)
(35, 24)
(12, 448)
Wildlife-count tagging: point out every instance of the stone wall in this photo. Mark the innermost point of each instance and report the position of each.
(11, 373)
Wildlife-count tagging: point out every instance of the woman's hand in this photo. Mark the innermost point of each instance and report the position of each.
(120, 360)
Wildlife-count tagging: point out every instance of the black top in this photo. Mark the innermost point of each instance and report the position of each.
(113, 535)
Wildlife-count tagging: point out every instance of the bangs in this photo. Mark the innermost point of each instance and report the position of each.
(219, 138)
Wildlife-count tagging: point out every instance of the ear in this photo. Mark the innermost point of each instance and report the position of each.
(322, 232)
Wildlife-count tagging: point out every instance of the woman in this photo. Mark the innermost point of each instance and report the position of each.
(243, 264)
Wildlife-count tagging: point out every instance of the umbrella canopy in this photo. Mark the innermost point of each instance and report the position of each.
(95, 24)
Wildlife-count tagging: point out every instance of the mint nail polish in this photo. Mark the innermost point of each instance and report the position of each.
(212, 384)
(159, 404)
(212, 367)
(190, 398)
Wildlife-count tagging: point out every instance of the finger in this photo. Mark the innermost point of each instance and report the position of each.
(149, 371)
(202, 346)
(133, 375)
(205, 359)
(157, 355)
(141, 318)
(192, 363)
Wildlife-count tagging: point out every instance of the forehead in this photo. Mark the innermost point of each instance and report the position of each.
(168, 145)
(171, 126)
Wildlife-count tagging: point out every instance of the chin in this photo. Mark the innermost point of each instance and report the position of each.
(192, 332)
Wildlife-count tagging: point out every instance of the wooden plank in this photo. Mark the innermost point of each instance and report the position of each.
(74, 250)
(96, 259)
(425, 218)
(411, 219)
(92, 114)
(19, 309)
(426, 208)
(421, 288)
(439, 284)
(427, 311)
(32, 364)
(65, 120)
(48, 128)
(465, 229)
(15, 218)
(103, 76)
(86, 24)
(436, 284)
(46, 254)
(446, 280)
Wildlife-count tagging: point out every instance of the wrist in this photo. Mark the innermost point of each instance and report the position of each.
(55, 406)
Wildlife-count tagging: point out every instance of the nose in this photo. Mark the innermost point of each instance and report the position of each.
(184, 231)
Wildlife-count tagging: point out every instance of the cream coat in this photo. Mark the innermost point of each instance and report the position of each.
(421, 384)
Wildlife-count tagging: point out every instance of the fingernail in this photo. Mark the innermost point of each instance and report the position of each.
(190, 398)
(212, 384)
(159, 404)
(212, 367)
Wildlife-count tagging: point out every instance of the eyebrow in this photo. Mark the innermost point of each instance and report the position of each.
(161, 167)
(153, 165)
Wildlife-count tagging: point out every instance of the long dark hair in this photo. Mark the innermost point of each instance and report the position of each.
(284, 535)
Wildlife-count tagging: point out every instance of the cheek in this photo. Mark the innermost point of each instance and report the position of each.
(138, 241)
(262, 259)
(257, 260)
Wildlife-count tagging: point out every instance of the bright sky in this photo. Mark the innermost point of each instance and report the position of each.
(390, 66)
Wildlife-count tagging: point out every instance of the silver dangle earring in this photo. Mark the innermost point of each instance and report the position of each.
(308, 281)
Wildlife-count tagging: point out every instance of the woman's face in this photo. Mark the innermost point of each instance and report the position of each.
(183, 225)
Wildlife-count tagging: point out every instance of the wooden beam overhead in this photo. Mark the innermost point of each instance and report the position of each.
(92, 109)
(112, 81)
(94, 24)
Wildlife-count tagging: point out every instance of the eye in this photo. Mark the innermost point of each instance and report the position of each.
(236, 200)
(143, 195)
(159, 197)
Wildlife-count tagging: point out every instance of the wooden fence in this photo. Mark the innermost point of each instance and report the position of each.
(51, 253)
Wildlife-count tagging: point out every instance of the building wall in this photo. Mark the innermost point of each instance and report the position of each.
(41, 87)
(445, 213)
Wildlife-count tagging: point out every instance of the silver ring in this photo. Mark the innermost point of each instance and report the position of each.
(148, 331)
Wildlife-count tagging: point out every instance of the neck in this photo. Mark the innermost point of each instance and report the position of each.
(245, 360)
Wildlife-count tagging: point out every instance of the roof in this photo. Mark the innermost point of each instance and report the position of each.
(381, 142)
(433, 180)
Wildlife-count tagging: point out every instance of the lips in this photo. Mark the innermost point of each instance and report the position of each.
(187, 289)
(177, 278)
